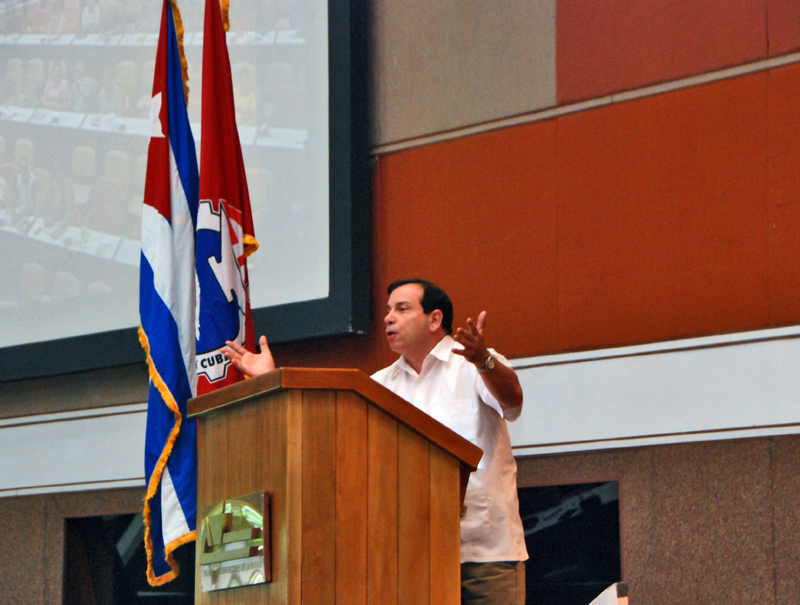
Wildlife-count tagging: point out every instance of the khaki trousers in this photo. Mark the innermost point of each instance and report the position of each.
(496, 583)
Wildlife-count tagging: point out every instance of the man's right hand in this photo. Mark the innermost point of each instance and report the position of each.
(252, 364)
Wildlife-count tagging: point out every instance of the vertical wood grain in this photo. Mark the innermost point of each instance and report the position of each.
(211, 435)
(272, 448)
(413, 504)
(213, 456)
(358, 513)
(242, 450)
(293, 514)
(267, 479)
(319, 497)
(381, 509)
(445, 523)
(203, 466)
(351, 499)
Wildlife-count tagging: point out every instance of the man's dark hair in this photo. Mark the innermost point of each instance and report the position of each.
(433, 297)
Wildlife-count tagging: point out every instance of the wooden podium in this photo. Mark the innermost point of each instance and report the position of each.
(365, 489)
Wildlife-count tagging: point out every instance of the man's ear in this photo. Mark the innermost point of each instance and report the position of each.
(436, 319)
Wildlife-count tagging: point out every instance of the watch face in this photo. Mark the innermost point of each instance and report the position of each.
(489, 365)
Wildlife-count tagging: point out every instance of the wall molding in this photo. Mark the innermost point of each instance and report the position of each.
(99, 448)
(730, 386)
(73, 487)
(685, 344)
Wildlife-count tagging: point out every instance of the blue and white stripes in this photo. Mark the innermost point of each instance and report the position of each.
(167, 310)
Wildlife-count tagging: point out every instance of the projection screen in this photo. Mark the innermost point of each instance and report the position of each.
(73, 143)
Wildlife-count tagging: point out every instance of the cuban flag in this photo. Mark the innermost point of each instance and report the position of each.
(167, 310)
(224, 224)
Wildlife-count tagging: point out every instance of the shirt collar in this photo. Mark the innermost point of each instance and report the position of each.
(444, 348)
(442, 351)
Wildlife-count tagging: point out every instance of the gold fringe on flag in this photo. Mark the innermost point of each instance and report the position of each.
(225, 5)
(250, 245)
(176, 16)
(155, 478)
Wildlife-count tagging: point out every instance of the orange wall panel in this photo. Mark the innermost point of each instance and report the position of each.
(662, 216)
(784, 27)
(607, 46)
(784, 194)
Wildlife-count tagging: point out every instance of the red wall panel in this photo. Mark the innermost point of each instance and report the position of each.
(607, 46)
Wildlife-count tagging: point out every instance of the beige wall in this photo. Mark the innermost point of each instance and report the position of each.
(452, 63)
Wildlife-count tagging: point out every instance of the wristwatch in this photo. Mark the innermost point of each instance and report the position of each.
(489, 364)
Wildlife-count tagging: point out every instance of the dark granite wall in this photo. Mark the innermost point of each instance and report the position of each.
(32, 530)
(714, 523)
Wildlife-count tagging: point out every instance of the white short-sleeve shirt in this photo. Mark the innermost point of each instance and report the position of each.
(450, 389)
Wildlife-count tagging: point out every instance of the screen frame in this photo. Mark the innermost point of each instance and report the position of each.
(346, 308)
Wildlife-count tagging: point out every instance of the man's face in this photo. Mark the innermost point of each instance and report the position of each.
(408, 328)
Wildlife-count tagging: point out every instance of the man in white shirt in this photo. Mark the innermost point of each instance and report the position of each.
(473, 391)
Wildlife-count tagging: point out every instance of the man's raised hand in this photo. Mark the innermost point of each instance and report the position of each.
(252, 364)
(471, 338)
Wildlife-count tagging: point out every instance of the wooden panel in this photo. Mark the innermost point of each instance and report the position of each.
(274, 433)
(329, 461)
(413, 518)
(211, 437)
(445, 523)
(243, 449)
(293, 524)
(230, 444)
(381, 509)
(234, 394)
(319, 497)
(231, 463)
(339, 379)
(381, 397)
(614, 45)
(269, 451)
(351, 499)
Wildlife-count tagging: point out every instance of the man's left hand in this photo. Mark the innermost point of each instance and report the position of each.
(502, 382)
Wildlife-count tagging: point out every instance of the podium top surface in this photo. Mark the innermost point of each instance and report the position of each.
(352, 380)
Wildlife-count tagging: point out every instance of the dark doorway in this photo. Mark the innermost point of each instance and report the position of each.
(106, 564)
(572, 535)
